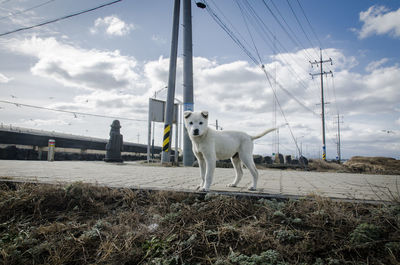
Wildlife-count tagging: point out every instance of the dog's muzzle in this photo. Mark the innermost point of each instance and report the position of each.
(196, 132)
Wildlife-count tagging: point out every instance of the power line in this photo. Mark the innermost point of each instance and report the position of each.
(260, 64)
(308, 21)
(60, 18)
(70, 112)
(250, 55)
(28, 9)
(292, 38)
(229, 22)
(263, 26)
(299, 23)
(218, 20)
(290, 29)
(248, 30)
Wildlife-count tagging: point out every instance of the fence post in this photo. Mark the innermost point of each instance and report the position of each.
(51, 150)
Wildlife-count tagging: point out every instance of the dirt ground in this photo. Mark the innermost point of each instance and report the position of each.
(82, 224)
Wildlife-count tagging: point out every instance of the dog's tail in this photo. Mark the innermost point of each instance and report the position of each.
(262, 134)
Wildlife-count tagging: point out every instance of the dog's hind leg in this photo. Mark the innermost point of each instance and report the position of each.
(237, 165)
(249, 162)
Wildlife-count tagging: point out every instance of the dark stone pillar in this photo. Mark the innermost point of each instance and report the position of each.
(115, 144)
(279, 159)
(288, 159)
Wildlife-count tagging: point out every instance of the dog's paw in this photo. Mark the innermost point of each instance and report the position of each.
(231, 185)
(251, 188)
(202, 189)
(200, 186)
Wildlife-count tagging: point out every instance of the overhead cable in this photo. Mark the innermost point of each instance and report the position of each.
(28, 9)
(218, 20)
(60, 18)
(299, 23)
(259, 63)
(288, 26)
(308, 21)
(70, 112)
(292, 38)
(268, 33)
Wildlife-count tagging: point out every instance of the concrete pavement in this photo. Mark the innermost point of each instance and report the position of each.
(140, 176)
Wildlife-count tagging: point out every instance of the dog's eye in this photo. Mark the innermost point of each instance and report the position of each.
(201, 123)
(191, 123)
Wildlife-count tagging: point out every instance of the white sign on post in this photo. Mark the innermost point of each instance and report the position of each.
(157, 114)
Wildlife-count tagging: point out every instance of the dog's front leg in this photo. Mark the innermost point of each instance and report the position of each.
(202, 166)
(210, 160)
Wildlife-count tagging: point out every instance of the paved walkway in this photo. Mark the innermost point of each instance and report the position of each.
(139, 176)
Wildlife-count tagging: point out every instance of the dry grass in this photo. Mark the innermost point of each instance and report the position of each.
(81, 224)
(323, 166)
(375, 165)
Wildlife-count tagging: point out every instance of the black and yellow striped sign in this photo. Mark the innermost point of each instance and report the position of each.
(167, 133)
(324, 156)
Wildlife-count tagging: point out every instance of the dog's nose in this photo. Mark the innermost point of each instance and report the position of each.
(196, 132)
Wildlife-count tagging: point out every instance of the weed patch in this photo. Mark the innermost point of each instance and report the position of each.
(82, 224)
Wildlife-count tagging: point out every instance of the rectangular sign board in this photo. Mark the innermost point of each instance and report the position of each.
(157, 110)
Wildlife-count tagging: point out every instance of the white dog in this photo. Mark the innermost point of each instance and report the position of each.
(209, 146)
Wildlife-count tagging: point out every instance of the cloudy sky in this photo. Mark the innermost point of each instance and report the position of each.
(110, 61)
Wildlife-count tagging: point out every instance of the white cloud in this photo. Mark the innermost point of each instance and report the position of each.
(235, 93)
(379, 20)
(376, 64)
(242, 88)
(376, 92)
(77, 67)
(112, 25)
(238, 95)
(4, 79)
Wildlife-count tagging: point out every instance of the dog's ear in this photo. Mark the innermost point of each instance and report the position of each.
(204, 114)
(187, 114)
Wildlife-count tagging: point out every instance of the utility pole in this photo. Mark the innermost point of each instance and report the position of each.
(169, 109)
(216, 125)
(188, 157)
(321, 74)
(338, 140)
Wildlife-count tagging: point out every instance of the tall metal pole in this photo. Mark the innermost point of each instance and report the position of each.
(321, 74)
(322, 109)
(149, 134)
(338, 128)
(165, 155)
(188, 157)
(338, 143)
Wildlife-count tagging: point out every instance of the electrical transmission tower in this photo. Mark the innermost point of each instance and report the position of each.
(321, 74)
